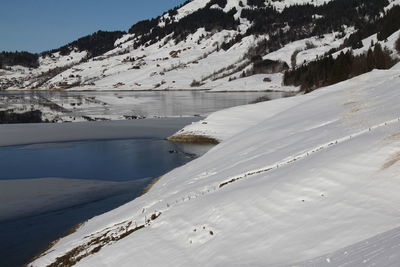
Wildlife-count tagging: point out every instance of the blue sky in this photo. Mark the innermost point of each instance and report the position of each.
(39, 25)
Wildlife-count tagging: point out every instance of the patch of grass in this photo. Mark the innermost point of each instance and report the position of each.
(78, 253)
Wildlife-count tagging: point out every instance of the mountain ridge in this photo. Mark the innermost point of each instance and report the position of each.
(162, 53)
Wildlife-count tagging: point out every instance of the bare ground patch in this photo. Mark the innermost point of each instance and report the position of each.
(193, 138)
(395, 136)
(95, 244)
(393, 159)
(351, 103)
(353, 107)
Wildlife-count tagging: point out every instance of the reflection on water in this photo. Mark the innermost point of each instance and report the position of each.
(123, 104)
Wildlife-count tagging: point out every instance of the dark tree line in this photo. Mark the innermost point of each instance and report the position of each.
(300, 18)
(25, 59)
(95, 44)
(299, 21)
(150, 32)
(389, 24)
(329, 70)
(384, 26)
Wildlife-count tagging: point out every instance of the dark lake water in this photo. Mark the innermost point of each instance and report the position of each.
(118, 161)
(113, 160)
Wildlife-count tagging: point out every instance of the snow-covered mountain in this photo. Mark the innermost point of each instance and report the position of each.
(310, 180)
(207, 44)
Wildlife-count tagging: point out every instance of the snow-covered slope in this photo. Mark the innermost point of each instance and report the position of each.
(305, 185)
(379, 250)
(226, 123)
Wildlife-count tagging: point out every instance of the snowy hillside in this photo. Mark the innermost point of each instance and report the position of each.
(313, 183)
(226, 123)
(204, 44)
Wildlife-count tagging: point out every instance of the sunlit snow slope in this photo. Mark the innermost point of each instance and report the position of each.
(307, 185)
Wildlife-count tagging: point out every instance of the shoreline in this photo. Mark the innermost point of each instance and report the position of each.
(150, 185)
(37, 133)
(44, 251)
(74, 228)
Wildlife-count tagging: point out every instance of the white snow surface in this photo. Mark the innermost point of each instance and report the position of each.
(309, 182)
(392, 3)
(279, 5)
(226, 123)
(256, 83)
(308, 49)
